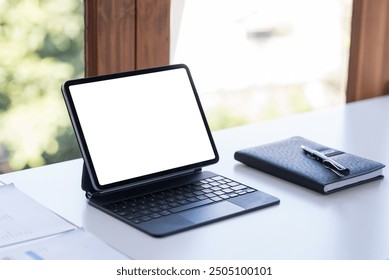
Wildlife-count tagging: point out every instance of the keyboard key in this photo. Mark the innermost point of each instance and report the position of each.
(174, 204)
(136, 221)
(165, 207)
(193, 199)
(161, 202)
(151, 205)
(155, 216)
(228, 190)
(198, 193)
(238, 187)
(182, 202)
(168, 194)
(164, 213)
(145, 212)
(241, 192)
(132, 204)
(133, 216)
(142, 207)
(219, 192)
(145, 218)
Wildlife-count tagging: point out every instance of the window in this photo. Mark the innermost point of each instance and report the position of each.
(41, 47)
(254, 60)
(367, 75)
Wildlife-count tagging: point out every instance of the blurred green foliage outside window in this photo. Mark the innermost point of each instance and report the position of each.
(41, 47)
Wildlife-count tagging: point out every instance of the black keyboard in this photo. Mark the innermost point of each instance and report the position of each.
(162, 203)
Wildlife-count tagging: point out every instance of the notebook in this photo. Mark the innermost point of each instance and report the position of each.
(288, 159)
(144, 139)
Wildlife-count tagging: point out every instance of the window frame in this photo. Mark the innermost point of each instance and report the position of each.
(126, 35)
(368, 74)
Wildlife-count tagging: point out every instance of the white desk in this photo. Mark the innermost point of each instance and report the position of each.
(350, 224)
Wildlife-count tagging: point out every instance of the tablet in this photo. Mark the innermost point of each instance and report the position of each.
(139, 126)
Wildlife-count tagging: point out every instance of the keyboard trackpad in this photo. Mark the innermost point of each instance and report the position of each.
(211, 212)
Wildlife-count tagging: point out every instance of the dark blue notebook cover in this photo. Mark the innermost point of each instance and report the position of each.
(287, 160)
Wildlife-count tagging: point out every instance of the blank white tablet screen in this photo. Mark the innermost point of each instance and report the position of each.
(142, 124)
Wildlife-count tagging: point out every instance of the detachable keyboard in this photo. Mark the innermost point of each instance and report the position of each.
(155, 205)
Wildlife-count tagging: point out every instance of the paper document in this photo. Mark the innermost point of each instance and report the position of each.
(28, 230)
(23, 219)
(77, 244)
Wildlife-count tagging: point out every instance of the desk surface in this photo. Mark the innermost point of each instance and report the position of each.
(350, 224)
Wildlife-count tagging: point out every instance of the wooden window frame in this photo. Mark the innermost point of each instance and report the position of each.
(131, 34)
(368, 74)
(126, 35)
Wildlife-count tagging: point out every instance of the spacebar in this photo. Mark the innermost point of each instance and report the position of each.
(190, 205)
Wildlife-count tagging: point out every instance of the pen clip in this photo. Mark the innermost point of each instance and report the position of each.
(327, 162)
(335, 167)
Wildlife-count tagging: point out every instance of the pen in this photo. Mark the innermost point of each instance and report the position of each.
(327, 162)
